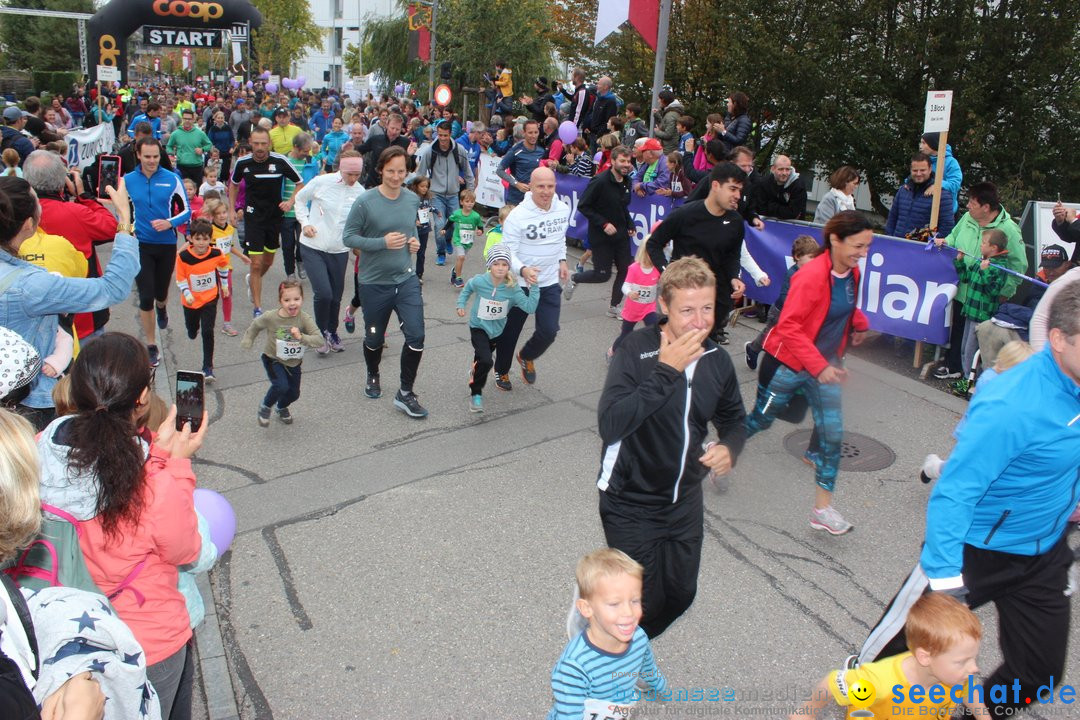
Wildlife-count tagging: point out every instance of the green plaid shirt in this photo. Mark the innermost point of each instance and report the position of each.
(984, 287)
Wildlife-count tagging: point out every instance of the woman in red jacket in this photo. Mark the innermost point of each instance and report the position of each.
(809, 341)
(133, 495)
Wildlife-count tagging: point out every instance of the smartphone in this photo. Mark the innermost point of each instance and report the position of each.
(190, 399)
(108, 174)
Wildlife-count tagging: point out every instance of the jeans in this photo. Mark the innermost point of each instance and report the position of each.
(613, 249)
(173, 678)
(824, 400)
(284, 383)
(547, 327)
(290, 243)
(202, 318)
(968, 345)
(378, 302)
(483, 347)
(444, 206)
(326, 272)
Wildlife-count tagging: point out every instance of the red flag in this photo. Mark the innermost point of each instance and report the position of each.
(645, 17)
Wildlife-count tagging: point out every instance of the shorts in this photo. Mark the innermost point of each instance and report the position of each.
(156, 264)
(261, 237)
(461, 250)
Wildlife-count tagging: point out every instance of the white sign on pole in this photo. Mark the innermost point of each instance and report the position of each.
(489, 188)
(938, 110)
(108, 73)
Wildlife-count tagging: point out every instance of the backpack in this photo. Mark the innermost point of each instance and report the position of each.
(54, 558)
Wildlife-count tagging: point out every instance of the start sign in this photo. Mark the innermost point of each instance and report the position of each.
(938, 111)
(175, 37)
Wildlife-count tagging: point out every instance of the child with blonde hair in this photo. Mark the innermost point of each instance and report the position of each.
(224, 239)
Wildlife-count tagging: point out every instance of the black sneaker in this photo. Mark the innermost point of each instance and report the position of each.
(944, 373)
(408, 403)
(263, 416)
(528, 369)
(284, 415)
(162, 316)
(720, 337)
(751, 356)
(155, 356)
(373, 389)
(503, 382)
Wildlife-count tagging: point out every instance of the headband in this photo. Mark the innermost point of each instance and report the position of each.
(351, 165)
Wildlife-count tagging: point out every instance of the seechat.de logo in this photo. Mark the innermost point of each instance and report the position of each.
(181, 8)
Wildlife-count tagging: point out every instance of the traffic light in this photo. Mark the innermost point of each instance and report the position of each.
(446, 70)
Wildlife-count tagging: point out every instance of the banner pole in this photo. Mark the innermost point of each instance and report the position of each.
(661, 60)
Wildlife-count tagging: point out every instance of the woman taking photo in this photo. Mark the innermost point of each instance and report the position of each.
(133, 493)
(31, 297)
(809, 342)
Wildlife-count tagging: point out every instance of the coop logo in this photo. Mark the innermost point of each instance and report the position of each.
(182, 8)
(107, 50)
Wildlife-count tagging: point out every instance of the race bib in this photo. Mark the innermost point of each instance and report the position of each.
(290, 350)
(491, 309)
(202, 283)
(467, 236)
(646, 293)
(423, 215)
(224, 244)
(605, 710)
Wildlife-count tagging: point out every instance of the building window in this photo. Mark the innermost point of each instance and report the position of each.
(338, 41)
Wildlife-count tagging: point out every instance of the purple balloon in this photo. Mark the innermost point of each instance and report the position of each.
(399, 88)
(235, 83)
(265, 75)
(219, 516)
(271, 87)
(249, 84)
(287, 83)
(568, 132)
(301, 82)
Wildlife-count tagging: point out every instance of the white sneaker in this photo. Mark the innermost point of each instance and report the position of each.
(829, 520)
(931, 468)
(613, 311)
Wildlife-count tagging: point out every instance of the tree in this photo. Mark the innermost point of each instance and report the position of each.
(386, 52)
(43, 43)
(287, 31)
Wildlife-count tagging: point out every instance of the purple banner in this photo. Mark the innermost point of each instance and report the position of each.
(904, 290)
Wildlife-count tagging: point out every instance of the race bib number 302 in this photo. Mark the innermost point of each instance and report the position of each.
(290, 350)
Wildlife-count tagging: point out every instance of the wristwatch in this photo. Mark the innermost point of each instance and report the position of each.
(125, 228)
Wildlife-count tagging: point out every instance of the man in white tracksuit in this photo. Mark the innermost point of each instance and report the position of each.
(535, 233)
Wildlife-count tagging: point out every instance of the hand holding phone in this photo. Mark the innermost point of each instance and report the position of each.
(190, 400)
(108, 174)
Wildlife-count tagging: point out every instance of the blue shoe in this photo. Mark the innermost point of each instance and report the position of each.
(476, 404)
(812, 458)
(440, 260)
(162, 316)
(256, 312)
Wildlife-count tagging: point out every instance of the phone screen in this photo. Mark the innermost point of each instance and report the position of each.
(189, 399)
(108, 174)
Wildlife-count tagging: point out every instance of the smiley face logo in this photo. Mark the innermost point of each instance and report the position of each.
(861, 694)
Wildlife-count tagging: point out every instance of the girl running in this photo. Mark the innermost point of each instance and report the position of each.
(640, 291)
(496, 292)
(289, 332)
(217, 212)
(425, 223)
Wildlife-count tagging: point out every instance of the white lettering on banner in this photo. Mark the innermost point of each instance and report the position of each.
(902, 302)
(489, 188)
(85, 144)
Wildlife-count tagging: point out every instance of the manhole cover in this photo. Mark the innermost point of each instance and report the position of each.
(858, 453)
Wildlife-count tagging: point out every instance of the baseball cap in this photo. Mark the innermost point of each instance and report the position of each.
(239, 101)
(281, 111)
(652, 144)
(12, 113)
(1052, 257)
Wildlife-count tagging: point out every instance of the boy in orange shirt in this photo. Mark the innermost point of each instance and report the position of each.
(198, 268)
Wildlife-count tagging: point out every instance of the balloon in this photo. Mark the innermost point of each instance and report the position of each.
(265, 75)
(568, 132)
(219, 515)
(399, 88)
(235, 83)
(116, 83)
(286, 83)
(249, 84)
(301, 82)
(271, 87)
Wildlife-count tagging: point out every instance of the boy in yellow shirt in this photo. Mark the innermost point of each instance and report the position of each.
(928, 681)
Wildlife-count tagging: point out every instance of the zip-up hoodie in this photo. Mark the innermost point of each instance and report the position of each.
(537, 237)
(330, 200)
(654, 420)
(954, 176)
(154, 198)
(167, 536)
(1014, 477)
(509, 295)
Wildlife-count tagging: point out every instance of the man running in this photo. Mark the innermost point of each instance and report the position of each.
(262, 173)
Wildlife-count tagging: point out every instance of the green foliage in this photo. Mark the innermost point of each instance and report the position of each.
(34, 43)
(288, 30)
(54, 82)
(386, 52)
(835, 85)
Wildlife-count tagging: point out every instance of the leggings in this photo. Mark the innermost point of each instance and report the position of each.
(157, 261)
(824, 400)
(483, 349)
(202, 318)
(326, 272)
(629, 325)
(290, 241)
(226, 300)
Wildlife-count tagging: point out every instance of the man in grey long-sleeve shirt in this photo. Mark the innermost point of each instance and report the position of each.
(447, 165)
(382, 225)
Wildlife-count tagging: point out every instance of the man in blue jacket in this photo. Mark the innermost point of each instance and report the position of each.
(995, 523)
(911, 206)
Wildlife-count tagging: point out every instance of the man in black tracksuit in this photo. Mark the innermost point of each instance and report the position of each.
(606, 205)
(373, 147)
(664, 385)
(712, 230)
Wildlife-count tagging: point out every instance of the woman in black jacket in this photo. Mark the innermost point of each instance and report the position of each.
(735, 130)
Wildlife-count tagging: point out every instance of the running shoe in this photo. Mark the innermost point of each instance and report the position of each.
(613, 311)
(291, 277)
(440, 260)
(335, 343)
(476, 404)
(263, 416)
(829, 520)
(528, 369)
(324, 349)
(579, 268)
(503, 382)
(284, 415)
(722, 338)
(350, 322)
(945, 373)
(408, 403)
(568, 290)
(751, 356)
(162, 316)
(229, 330)
(458, 283)
(247, 284)
(811, 458)
(256, 312)
(155, 356)
(208, 374)
(373, 390)
(300, 271)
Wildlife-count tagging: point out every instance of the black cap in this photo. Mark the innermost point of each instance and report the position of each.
(281, 111)
(1052, 257)
(932, 139)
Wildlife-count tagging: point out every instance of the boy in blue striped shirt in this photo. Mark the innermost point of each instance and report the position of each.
(596, 674)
